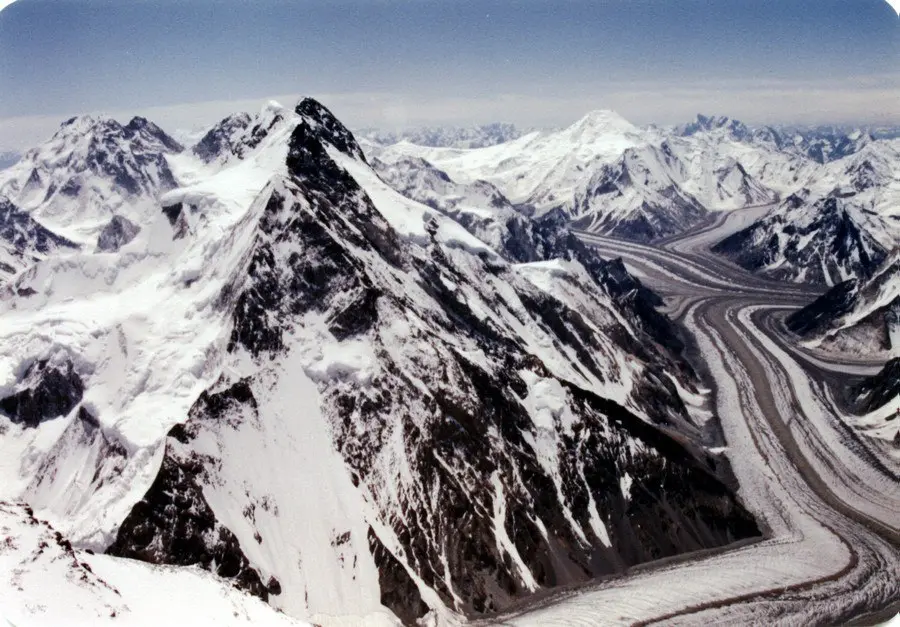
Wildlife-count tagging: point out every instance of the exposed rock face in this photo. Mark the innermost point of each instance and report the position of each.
(826, 241)
(859, 316)
(820, 314)
(876, 392)
(219, 140)
(116, 234)
(48, 389)
(174, 524)
(453, 405)
(90, 170)
(141, 126)
(23, 240)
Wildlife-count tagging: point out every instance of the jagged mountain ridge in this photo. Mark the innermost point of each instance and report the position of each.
(23, 240)
(824, 241)
(643, 189)
(441, 388)
(607, 175)
(479, 136)
(858, 316)
(841, 227)
(91, 169)
(822, 145)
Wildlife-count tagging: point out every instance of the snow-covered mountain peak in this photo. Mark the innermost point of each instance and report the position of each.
(80, 126)
(234, 137)
(703, 123)
(331, 130)
(218, 140)
(348, 397)
(599, 124)
(875, 164)
(140, 126)
(92, 168)
(90, 132)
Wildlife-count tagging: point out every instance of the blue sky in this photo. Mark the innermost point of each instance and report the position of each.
(409, 62)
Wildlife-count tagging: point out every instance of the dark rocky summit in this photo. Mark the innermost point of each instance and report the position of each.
(447, 399)
(118, 232)
(879, 390)
(47, 390)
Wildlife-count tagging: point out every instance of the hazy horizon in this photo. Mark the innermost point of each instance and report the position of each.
(397, 64)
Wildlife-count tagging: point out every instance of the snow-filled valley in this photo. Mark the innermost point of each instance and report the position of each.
(282, 376)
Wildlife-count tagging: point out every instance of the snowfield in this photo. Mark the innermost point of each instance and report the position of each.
(47, 582)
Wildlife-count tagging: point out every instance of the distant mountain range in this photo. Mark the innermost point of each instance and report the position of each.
(478, 136)
(837, 188)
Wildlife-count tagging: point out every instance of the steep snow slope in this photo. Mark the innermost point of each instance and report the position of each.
(859, 316)
(47, 581)
(23, 241)
(91, 169)
(348, 403)
(478, 206)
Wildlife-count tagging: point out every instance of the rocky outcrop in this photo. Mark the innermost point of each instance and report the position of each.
(174, 524)
(857, 316)
(879, 390)
(824, 241)
(118, 232)
(23, 240)
(819, 315)
(48, 389)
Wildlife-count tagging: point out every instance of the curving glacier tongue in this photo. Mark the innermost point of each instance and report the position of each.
(383, 416)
